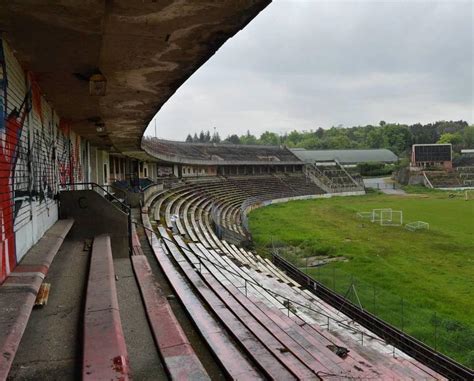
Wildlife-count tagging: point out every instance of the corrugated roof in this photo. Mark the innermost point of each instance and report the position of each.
(347, 156)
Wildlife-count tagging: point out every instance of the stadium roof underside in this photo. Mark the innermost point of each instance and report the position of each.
(145, 50)
(218, 154)
(349, 156)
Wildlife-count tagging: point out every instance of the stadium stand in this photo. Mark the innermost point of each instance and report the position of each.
(178, 355)
(332, 177)
(173, 151)
(172, 297)
(282, 328)
(444, 179)
(466, 175)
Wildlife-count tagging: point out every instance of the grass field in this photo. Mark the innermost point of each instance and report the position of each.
(420, 281)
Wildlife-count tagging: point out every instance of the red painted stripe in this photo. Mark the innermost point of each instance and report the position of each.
(16, 303)
(105, 351)
(136, 246)
(268, 363)
(31, 269)
(233, 361)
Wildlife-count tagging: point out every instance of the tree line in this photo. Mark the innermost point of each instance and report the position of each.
(396, 137)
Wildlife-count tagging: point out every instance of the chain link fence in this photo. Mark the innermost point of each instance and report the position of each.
(440, 332)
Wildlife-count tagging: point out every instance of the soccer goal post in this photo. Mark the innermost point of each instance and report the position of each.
(377, 214)
(364, 215)
(391, 218)
(417, 225)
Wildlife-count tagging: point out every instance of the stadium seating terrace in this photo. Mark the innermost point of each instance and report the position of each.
(113, 270)
(212, 152)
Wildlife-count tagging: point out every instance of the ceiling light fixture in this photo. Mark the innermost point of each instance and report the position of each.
(97, 85)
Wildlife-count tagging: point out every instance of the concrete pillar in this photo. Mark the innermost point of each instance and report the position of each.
(93, 165)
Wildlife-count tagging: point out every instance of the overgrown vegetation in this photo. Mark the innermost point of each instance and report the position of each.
(375, 169)
(419, 281)
(396, 137)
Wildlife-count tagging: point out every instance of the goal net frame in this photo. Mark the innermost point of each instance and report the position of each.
(391, 217)
(417, 225)
(365, 215)
(377, 214)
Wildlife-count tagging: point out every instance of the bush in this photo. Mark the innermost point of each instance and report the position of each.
(375, 169)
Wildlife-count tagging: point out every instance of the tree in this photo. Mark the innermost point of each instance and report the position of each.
(248, 138)
(234, 139)
(269, 138)
(319, 133)
(339, 142)
(294, 137)
(215, 137)
(397, 138)
(310, 142)
(446, 138)
(375, 138)
(189, 138)
(469, 137)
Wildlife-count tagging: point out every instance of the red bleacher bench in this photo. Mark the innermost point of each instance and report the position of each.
(105, 352)
(18, 292)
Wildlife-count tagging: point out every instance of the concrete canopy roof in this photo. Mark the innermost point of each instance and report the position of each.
(145, 49)
(218, 154)
(347, 156)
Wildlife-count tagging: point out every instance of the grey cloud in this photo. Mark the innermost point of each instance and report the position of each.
(303, 64)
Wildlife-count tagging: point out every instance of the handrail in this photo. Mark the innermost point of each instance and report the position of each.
(341, 323)
(117, 189)
(356, 184)
(255, 284)
(408, 344)
(311, 170)
(386, 332)
(427, 180)
(126, 208)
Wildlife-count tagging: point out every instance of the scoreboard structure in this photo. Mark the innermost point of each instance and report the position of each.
(432, 155)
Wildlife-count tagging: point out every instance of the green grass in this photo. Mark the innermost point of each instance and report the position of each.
(430, 272)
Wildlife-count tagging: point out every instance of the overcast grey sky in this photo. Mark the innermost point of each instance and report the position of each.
(301, 64)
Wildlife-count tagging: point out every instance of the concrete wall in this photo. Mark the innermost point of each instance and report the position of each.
(198, 171)
(38, 154)
(94, 215)
(150, 191)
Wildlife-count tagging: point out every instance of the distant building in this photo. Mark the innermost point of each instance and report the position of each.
(432, 155)
(182, 159)
(346, 157)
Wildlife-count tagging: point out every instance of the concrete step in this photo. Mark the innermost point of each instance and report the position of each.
(51, 347)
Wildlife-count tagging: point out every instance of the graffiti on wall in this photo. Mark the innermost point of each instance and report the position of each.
(11, 125)
(38, 154)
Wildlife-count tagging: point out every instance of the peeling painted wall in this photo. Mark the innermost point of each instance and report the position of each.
(38, 154)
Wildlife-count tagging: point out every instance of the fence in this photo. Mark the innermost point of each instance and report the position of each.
(442, 333)
(380, 185)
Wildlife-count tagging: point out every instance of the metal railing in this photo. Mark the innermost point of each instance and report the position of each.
(287, 302)
(406, 343)
(103, 191)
